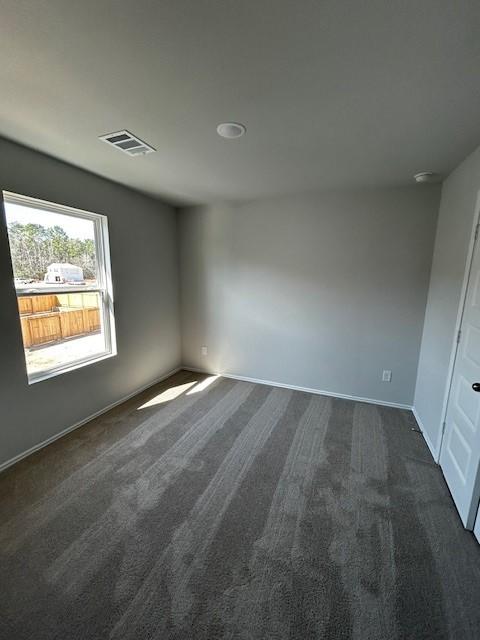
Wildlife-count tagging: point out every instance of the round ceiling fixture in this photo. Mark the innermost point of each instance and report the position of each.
(427, 177)
(231, 130)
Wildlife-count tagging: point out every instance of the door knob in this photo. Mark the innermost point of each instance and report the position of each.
(476, 386)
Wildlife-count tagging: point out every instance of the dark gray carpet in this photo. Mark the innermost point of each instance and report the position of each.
(235, 511)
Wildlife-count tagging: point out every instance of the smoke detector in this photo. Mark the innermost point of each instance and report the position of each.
(427, 177)
(128, 143)
(231, 130)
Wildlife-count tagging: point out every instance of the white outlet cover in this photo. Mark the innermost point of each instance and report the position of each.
(386, 376)
(204, 350)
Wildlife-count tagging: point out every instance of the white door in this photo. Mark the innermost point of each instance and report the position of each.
(476, 531)
(460, 453)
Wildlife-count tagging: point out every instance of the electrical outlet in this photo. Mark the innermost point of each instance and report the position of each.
(386, 376)
(204, 350)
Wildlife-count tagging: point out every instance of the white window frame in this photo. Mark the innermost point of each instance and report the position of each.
(104, 286)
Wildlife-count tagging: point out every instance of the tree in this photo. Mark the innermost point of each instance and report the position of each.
(33, 247)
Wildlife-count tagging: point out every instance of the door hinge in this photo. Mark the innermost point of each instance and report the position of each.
(476, 231)
(459, 335)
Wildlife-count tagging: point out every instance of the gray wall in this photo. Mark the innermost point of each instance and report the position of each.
(321, 291)
(455, 223)
(145, 276)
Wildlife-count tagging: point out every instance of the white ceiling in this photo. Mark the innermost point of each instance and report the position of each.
(334, 94)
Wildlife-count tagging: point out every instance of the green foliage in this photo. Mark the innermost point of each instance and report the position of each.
(34, 247)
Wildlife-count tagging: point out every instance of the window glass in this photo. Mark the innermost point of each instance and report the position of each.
(62, 280)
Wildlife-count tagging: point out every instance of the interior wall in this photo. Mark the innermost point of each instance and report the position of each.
(145, 278)
(321, 291)
(455, 223)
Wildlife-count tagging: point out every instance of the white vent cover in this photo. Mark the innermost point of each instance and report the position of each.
(128, 143)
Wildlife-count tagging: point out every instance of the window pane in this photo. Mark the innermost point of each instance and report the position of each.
(50, 249)
(63, 284)
(61, 329)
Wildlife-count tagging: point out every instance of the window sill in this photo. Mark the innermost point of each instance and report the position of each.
(71, 366)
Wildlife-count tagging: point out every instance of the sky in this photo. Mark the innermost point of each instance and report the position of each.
(73, 227)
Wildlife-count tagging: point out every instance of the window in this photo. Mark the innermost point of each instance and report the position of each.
(61, 267)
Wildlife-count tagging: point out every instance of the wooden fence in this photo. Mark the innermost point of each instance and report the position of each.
(51, 318)
(87, 300)
(28, 305)
(36, 304)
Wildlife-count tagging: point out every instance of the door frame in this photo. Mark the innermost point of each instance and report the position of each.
(474, 240)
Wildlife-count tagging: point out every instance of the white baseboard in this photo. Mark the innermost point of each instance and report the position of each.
(425, 435)
(44, 443)
(382, 403)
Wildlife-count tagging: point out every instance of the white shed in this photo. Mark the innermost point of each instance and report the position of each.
(63, 272)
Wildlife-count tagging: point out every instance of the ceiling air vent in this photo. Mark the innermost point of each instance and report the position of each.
(128, 143)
